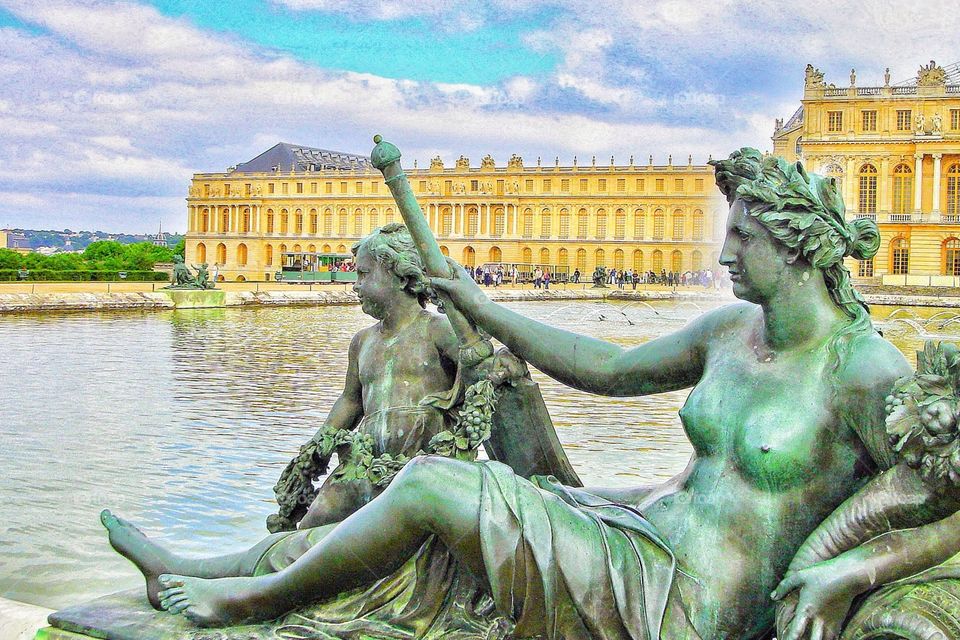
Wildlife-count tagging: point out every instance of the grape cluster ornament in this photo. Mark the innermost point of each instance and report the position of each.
(922, 415)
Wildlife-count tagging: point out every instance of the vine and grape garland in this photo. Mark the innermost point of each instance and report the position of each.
(922, 413)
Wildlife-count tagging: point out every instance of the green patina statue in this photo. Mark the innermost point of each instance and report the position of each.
(811, 485)
(182, 278)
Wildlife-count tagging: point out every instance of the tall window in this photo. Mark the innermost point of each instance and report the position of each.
(284, 221)
(245, 221)
(565, 185)
(358, 221)
(563, 258)
(600, 258)
(342, 222)
(951, 255)
(446, 221)
(269, 220)
(527, 223)
(221, 254)
(696, 261)
(904, 119)
(955, 119)
(546, 224)
(582, 260)
(658, 225)
(869, 120)
(900, 256)
(544, 256)
(473, 220)
(202, 252)
(268, 255)
(657, 262)
(698, 225)
(374, 220)
(868, 189)
(299, 222)
(601, 224)
(676, 262)
(583, 221)
(620, 225)
(564, 224)
(499, 222)
(677, 225)
(902, 189)
(314, 223)
(388, 216)
(834, 121)
(638, 224)
(865, 268)
(205, 221)
(226, 220)
(328, 223)
(527, 255)
(242, 255)
(638, 260)
(618, 259)
(953, 190)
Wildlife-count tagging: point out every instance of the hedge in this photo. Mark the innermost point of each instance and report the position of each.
(48, 275)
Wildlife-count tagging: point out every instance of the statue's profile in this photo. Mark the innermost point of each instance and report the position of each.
(807, 481)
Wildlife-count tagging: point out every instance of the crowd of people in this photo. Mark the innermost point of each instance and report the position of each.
(497, 275)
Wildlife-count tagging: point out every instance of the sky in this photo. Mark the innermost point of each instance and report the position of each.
(107, 108)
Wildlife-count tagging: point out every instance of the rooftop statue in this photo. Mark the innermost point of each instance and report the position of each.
(811, 485)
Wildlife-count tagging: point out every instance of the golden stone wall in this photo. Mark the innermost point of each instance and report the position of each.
(895, 152)
(644, 217)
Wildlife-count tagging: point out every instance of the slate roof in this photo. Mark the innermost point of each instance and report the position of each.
(795, 120)
(288, 156)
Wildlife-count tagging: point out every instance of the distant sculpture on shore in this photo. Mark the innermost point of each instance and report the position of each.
(600, 277)
(183, 278)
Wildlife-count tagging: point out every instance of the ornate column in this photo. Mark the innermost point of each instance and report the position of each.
(917, 181)
(936, 182)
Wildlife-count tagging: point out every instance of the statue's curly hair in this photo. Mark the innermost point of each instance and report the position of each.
(392, 246)
(802, 211)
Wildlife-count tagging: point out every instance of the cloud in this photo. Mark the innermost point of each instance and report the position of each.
(120, 103)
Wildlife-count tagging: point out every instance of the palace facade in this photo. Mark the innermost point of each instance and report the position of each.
(894, 150)
(301, 199)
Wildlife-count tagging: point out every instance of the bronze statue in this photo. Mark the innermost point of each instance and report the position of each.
(793, 464)
(182, 278)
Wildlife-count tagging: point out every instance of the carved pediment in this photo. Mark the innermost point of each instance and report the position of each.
(931, 75)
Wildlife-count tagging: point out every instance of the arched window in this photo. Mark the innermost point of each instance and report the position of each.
(221, 254)
(327, 223)
(868, 189)
(444, 250)
(358, 222)
(499, 222)
(282, 249)
(314, 222)
(696, 261)
(583, 224)
(205, 220)
(544, 256)
(658, 224)
(563, 258)
(601, 224)
(374, 220)
(270, 221)
(951, 257)
(657, 264)
(900, 256)
(446, 221)
(527, 255)
(469, 257)
(298, 222)
(676, 262)
(388, 216)
(341, 248)
(678, 225)
(473, 222)
(284, 221)
(342, 222)
(546, 224)
(620, 224)
(242, 255)
(582, 260)
(798, 148)
(268, 255)
(953, 190)
(902, 189)
(527, 223)
(698, 225)
(564, 224)
(496, 255)
(326, 248)
(201, 253)
(618, 259)
(600, 258)
(225, 217)
(639, 222)
(312, 248)
(297, 248)
(245, 221)
(638, 260)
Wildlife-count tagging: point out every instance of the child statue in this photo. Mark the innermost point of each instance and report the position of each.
(400, 388)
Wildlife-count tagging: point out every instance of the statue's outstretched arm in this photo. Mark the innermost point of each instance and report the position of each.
(665, 364)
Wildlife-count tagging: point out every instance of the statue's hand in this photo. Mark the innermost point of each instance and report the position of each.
(827, 590)
(459, 287)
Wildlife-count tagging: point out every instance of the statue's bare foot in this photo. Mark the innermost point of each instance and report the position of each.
(220, 602)
(132, 544)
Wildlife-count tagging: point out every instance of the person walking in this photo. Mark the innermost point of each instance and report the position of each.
(546, 279)
(576, 276)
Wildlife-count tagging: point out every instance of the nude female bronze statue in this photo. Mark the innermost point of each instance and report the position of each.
(786, 417)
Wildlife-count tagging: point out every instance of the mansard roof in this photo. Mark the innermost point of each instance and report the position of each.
(286, 157)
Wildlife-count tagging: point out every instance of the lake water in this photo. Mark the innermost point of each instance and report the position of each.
(182, 421)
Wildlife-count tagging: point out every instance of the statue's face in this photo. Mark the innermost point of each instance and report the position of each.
(759, 265)
(376, 286)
